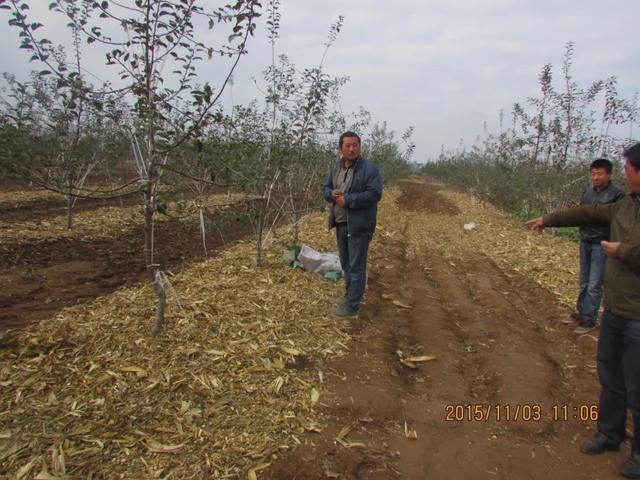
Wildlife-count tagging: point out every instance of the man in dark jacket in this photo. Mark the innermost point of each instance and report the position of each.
(353, 188)
(619, 340)
(592, 257)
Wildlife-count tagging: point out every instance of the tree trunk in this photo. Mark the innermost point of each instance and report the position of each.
(70, 204)
(296, 228)
(203, 232)
(259, 233)
(153, 270)
(69, 211)
(536, 151)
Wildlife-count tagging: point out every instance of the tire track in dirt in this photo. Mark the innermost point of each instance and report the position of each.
(497, 342)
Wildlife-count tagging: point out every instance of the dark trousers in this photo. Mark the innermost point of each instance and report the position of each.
(592, 264)
(619, 371)
(353, 259)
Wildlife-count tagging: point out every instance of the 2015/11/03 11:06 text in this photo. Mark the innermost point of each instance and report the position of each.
(525, 412)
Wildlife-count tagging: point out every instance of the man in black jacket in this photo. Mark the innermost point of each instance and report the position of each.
(354, 188)
(592, 257)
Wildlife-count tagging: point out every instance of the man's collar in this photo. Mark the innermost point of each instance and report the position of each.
(603, 188)
(342, 162)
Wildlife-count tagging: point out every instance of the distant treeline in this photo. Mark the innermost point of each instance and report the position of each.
(541, 159)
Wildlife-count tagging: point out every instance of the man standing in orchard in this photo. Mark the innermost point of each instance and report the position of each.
(592, 256)
(619, 339)
(353, 188)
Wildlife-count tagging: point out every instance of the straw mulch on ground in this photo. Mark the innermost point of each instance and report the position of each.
(234, 377)
(231, 380)
(17, 197)
(109, 220)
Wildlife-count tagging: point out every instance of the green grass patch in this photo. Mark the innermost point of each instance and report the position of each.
(572, 233)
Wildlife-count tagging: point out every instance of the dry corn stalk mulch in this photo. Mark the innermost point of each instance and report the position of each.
(106, 221)
(38, 194)
(16, 197)
(552, 262)
(230, 381)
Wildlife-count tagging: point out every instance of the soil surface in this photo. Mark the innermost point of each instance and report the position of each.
(40, 277)
(500, 353)
(509, 394)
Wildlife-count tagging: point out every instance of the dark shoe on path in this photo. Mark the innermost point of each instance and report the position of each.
(584, 326)
(630, 468)
(343, 311)
(571, 319)
(338, 300)
(598, 444)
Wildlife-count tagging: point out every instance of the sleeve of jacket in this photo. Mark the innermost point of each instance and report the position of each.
(630, 253)
(372, 191)
(619, 195)
(328, 186)
(582, 216)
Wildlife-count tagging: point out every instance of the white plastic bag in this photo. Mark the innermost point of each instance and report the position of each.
(314, 261)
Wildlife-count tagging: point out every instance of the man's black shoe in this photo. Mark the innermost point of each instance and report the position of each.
(338, 301)
(571, 319)
(343, 311)
(630, 468)
(598, 444)
(584, 326)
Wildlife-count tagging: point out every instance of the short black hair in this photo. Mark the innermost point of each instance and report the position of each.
(348, 134)
(633, 155)
(602, 163)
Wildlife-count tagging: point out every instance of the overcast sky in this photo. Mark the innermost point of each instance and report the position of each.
(443, 67)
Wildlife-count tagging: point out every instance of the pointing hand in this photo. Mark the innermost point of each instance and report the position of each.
(537, 225)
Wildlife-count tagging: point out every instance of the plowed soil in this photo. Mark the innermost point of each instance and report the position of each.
(40, 277)
(509, 394)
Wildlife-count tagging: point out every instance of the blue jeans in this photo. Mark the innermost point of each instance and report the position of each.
(592, 264)
(619, 372)
(353, 259)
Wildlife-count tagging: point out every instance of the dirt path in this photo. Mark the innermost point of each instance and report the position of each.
(498, 345)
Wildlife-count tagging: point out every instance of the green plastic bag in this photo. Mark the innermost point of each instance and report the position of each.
(291, 254)
(333, 276)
